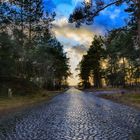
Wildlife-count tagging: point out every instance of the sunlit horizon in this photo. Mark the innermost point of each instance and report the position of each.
(77, 41)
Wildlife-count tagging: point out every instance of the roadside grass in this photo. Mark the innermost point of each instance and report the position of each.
(18, 102)
(127, 96)
(102, 89)
(131, 99)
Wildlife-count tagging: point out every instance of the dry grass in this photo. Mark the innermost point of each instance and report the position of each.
(131, 99)
(15, 103)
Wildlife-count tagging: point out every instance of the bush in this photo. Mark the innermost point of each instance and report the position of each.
(20, 87)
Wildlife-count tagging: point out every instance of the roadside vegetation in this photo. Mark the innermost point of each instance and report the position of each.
(17, 103)
(113, 60)
(130, 98)
(31, 58)
(30, 55)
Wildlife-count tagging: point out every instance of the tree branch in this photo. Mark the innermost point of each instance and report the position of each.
(101, 9)
(110, 4)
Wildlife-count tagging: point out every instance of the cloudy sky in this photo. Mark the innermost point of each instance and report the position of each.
(77, 41)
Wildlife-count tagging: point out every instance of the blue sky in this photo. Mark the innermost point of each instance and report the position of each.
(111, 17)
(77, 41)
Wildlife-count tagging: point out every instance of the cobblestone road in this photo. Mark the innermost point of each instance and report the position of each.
(74, 116)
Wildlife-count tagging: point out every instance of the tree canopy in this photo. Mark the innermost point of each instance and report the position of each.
(89, 10)
(111, 61)
(29, 52)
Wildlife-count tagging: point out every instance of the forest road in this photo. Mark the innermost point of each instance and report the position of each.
(74, 115)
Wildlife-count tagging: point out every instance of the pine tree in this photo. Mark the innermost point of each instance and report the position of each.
(89, 10)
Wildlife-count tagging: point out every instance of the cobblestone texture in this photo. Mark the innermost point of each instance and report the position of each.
(74, 116)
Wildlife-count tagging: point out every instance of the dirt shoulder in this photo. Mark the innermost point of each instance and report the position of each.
(15, 104)
(129, 99)
(123, 96)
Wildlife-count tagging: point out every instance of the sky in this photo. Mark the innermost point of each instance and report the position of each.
(76, 41)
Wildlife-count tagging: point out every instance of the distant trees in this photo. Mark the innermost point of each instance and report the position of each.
(90, 66)
(51, 63)
(96, 54)
(120, 65)
(84, 74)
(29, 52)
(123, 58)
(114, 60)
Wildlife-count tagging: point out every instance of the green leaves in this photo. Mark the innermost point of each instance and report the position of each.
(90, 66)
(28, 50)
(114, 60)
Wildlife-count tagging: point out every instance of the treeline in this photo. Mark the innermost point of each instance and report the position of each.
(30, 55)
(113, 60)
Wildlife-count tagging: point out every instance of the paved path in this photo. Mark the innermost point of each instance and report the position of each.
(74, 116)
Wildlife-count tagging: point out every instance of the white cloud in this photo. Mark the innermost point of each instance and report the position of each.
(76, 41)
(112, 14)
(115, 14)
(63, 8)
(75, 36)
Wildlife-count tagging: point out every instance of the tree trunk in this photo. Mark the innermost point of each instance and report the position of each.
(30, 24)
(30, 32)
(97, 79)
(124, 72)
(139, 30)
(138, 21)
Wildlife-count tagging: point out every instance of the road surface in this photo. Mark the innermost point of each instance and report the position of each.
(74, 116)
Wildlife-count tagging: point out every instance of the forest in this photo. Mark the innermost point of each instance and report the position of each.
(30, 55)
(69, 69)
(114, 59)
(109, 63)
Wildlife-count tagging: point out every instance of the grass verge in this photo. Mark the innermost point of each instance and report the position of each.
(130, 99)
(16, 103)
